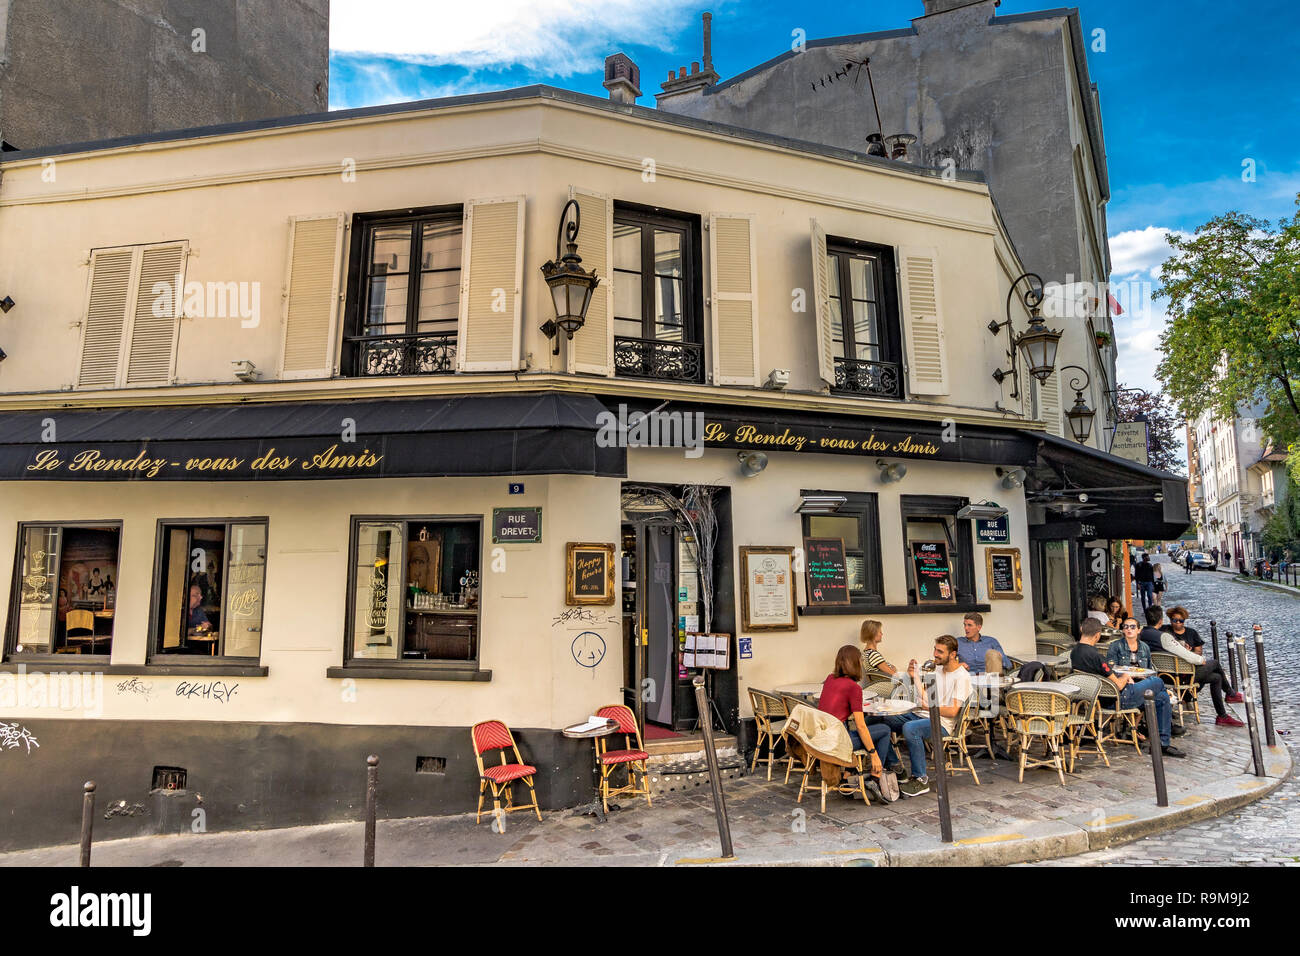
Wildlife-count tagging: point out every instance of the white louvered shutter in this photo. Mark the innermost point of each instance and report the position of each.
(311, 296)
(111, 271)
(151, 356)
(821, 292)
(734, 292)
(927, 358)
(491, 285)
(1049, 402)
(592, 349)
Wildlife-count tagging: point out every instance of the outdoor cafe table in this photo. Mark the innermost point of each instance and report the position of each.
(584, 732)
(1068, 689)
(810, 692)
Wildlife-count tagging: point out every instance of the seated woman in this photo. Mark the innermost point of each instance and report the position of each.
(841, 697)
(1117, 613)
(871, 636)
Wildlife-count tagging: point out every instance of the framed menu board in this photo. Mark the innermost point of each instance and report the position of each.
(588, 573)
(826, 573)
(1003, 567)
(767, 589)
(931, 572)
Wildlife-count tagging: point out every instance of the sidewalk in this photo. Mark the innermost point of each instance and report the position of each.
(1000, 822)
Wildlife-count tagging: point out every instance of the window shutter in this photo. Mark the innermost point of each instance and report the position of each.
(101, 341)
(822, 306)
(151, 359)
(311, 296)
(734, 291)
(1049, 401)
(927, 357)
(592, 349)
(491, 284)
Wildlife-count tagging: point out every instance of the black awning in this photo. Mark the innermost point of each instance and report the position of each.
(523, 434)
(1125, 499)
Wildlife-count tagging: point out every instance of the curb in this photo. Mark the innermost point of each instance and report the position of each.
(1271, 585)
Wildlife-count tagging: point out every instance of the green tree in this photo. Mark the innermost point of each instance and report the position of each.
(1282, 530)
(1234, 330)
(1162, 427)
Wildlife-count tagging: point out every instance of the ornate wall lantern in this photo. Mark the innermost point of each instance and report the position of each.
(571, 286)
(1080, 415)
(1038, 342)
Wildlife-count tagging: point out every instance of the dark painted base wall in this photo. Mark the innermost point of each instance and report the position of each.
(254, 776)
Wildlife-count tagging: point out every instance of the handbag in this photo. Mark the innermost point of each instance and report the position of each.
(888, 783)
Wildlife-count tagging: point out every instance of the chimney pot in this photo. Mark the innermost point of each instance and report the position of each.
(695, 68)
(708, 41)
(672, 74)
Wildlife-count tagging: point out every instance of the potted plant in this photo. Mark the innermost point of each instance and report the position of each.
(1103, 339)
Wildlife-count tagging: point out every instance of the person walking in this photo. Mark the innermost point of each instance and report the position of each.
(1159, 584)
(1145, 576)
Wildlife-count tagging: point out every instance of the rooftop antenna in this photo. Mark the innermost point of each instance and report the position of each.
(876, 140)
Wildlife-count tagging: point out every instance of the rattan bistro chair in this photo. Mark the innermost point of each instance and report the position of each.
(955, 742)
(1084, 725)
(1039, 715)
(489, 735)
(1180, 676)
(770, 714)
(633, 758)
(1119, 724)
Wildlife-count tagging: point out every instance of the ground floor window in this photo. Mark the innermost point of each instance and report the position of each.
(209, 588)
(65, 589)
(933, 518)
(414, 589)
(857, 523)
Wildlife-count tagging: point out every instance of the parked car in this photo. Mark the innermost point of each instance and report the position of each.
(1200, 559)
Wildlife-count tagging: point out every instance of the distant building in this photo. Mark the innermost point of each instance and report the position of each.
(1224, 469)
(1009, 96)
(72, 71)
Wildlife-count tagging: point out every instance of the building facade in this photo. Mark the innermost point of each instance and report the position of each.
(945, 81)
(292, 471)
(73, 72)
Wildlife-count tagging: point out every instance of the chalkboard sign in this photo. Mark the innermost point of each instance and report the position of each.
(1003, 567)
(826, 575)
(932, 572)
(589, 574)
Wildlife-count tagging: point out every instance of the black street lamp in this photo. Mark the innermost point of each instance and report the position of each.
(571, 286)
(1080, 415)
(1038, 342)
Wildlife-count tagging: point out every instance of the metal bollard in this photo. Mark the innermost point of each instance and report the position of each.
(1255, 751)
(87, 820)
(1214, 640)
(372, 799)
(1232, 663)
(1265, 699)
(940, 774)
(715, 777)
(1157, 754)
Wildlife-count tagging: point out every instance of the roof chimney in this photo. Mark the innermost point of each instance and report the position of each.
(701, 73)
(622, 78)
(943, 6)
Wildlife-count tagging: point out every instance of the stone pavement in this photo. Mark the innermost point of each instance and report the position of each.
(1000, 821)
(1267, 832)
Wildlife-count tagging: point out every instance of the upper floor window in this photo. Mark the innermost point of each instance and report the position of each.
(865, 331)
(658, 327)
(405, 296)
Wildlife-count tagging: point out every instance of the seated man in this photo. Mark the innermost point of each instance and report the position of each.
(952, 688)
(1086, 659)
(1211, 672)
(972, 648)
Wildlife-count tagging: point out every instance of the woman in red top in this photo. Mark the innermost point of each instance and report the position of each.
(842, 698)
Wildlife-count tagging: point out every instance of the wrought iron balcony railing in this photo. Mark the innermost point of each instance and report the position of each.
(415, 353)
(880, 379)
(657, 358)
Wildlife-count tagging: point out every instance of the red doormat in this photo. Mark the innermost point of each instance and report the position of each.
(655, 732)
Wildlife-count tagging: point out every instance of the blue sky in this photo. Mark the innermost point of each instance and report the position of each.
(1190, 89)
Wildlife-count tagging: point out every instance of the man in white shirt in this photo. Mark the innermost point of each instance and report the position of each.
(952, 687)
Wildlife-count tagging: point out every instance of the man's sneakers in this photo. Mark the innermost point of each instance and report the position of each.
(1227, 720)
(1235, 698)
(1172, 751)
(914, 788)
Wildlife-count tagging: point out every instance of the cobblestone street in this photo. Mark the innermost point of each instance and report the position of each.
(1267, 832)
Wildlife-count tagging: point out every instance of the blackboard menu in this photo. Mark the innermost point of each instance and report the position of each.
(932, 572)
(826, 576)
(589, 575)
(1004, 573)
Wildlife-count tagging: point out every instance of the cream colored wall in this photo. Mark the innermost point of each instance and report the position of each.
(232, 198)
(763, 514)
(535, 680)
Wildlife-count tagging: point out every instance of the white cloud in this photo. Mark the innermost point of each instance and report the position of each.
(1271, 194)
(558, 37)
(1140, 251)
